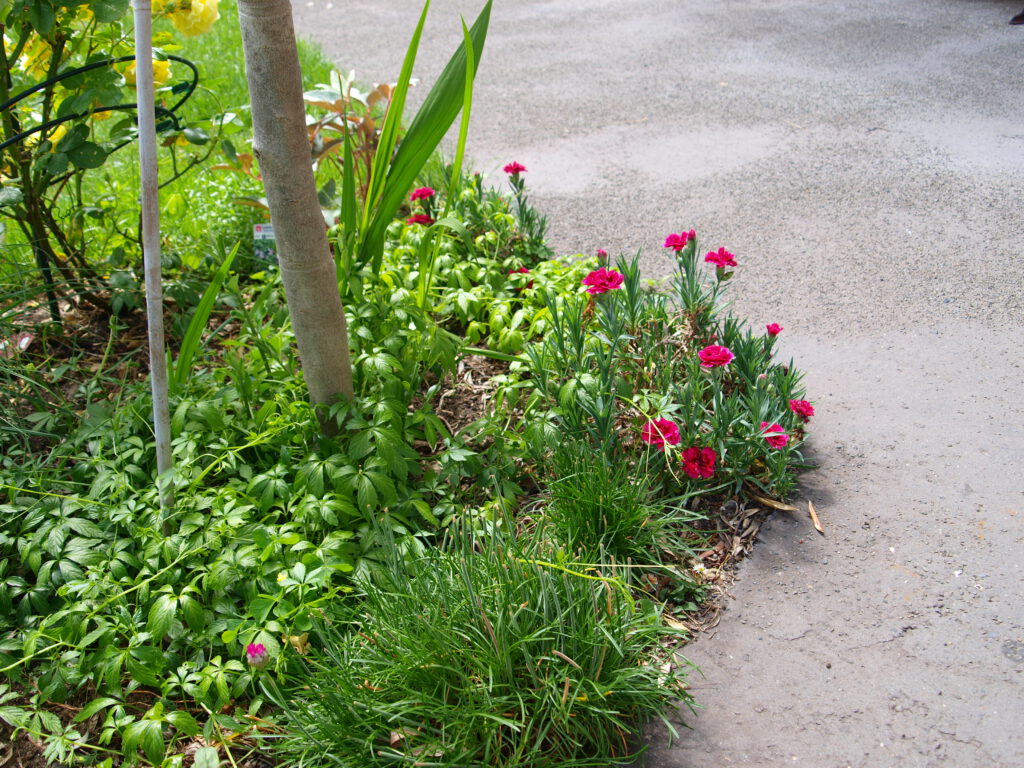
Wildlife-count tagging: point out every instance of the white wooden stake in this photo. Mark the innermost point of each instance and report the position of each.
(151, 240)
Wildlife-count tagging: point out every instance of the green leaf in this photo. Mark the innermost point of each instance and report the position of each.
(41, 17)
(184, 722)
(431, 123)
(10, 196)
(87, 155)
(193, 612)
(197, 324)
(206, 757)
(107, 11)
(93, 707)
(53, 164)
(145, 734)
(161, 614)
(196, 136)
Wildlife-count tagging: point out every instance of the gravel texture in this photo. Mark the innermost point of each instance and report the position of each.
(865, 161)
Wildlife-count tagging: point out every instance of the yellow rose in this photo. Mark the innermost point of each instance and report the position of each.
(195, 17)
(161, 73)
(58, 133)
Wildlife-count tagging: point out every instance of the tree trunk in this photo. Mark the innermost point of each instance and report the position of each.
(281, 145)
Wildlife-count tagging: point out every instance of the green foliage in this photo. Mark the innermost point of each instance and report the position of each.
(480, 654)
(405, 614)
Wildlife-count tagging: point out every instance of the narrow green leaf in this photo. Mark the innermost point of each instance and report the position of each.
(94, 706)
(197, 324)
(431, 123)
(392, 123)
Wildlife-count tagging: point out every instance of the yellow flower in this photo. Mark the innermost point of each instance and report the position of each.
(58, 133)
(161, 73)
(195, 17)
(281, 577)
(36, 58)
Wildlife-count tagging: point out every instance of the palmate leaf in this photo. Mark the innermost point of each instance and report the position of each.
(431, 123)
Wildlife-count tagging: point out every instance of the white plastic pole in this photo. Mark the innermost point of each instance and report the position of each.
(151, 239)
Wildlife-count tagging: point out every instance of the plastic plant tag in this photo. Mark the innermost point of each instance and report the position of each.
(264, 247)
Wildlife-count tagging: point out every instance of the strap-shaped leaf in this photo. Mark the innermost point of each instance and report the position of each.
(431, 123)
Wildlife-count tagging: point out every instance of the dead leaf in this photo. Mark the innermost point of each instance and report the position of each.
(675, 623)
(300, 642)
(774, 504)
(814, 517)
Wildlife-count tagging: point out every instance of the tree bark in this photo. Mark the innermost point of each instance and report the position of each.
(281, 145)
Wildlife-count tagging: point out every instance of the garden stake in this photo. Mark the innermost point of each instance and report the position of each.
(151, 245)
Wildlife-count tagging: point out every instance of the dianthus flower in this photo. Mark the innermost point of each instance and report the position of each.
(802, 408)
(659, 432)
(777, 440)
(422, 194)
(713, 356)
(721, 258)
(514, 168)
(602, 280)
(699, 463)
(256, 654)
(420, 218)
(774, 329)
(678, 242)
(521, 271)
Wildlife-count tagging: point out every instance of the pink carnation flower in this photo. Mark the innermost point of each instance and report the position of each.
(699, 463)
(602, 280)
(521, 271)
(256, 654)
(422, 193)
(721, 258)
(514, 168)
(602, 254)
(802, 408)
(777, 440)
(659, 432)
(774, 329)
(678, 242)
(713, 356)
(420, 218)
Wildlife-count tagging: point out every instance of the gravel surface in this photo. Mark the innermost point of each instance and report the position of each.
(865, 161)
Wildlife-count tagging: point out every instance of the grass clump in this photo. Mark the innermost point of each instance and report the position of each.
(481, 654)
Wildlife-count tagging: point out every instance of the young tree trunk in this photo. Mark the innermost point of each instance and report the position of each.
(281, 145)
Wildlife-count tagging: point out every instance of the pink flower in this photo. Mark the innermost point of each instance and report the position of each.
(420, 218)
(422, 194)
(802, 408)
(699, 463)
(713, 356)
(521, 271)
(778, 440)
(257, 656)
(514, 168)
(602, 254)
(721, 258)
(659, 432)
(678, 242)
(602, 280)
(774, 329)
